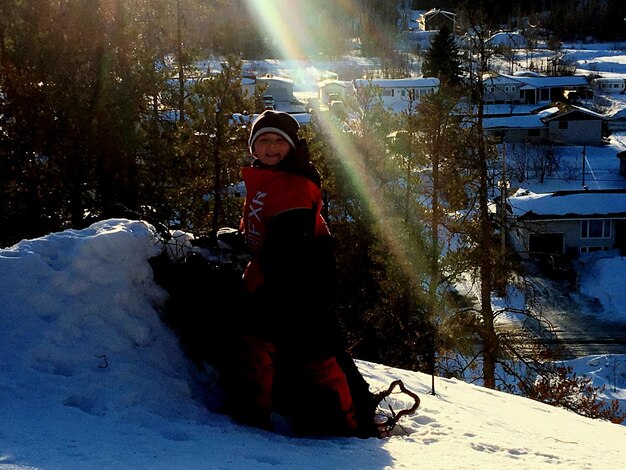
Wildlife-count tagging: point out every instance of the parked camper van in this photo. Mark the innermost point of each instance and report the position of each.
(605, 85)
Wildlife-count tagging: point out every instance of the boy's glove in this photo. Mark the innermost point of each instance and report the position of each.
(231, 237)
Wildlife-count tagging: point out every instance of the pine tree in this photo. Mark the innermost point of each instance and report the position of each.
(211, 149)
(442, 58)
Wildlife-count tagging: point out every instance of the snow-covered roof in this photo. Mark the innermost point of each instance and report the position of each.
(436, 11)
(330, 81)
(561, 109)
(547, 112)
(527, 73)
(543, 82)
(570, 204)
(276, 79)
(530, 121)
(398, 82)
(511, 39)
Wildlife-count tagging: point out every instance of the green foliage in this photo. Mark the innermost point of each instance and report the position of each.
(380, 255)
(211, 151)
(84, 90)
(71, 97)
(442, 58)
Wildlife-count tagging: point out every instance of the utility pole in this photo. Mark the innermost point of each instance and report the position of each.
(503, 191)
(584, 158)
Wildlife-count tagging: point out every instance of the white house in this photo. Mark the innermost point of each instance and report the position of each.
(333, 89)
(524, 89)
(501, 89)
(398, 93)
(547, 89)
(606, 85)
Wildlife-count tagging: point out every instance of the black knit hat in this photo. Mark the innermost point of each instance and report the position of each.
(278, 122)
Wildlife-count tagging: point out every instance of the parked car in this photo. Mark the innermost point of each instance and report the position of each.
(557, 266)
(268, 102)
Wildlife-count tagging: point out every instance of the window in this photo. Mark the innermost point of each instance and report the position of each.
(592, 249)
(595, 228)
(387, 92)
(509, 88)
(489, 89)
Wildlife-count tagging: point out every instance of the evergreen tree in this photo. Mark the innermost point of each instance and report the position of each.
(211, 149)
(442, 139)
(442, 58)
(375, 237)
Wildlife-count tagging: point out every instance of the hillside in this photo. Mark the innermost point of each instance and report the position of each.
(91, 378)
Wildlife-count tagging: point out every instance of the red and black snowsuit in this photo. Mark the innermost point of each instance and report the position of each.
(292, 356)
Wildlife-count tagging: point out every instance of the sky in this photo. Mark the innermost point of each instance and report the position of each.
(91, 378)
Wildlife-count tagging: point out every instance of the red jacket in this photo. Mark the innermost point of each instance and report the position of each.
(269, 193)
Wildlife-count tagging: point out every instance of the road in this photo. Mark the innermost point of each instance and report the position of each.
(574, 320)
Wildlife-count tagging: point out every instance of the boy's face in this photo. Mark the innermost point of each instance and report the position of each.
(271, 148)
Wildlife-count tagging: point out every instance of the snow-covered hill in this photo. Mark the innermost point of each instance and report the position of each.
(91, 378)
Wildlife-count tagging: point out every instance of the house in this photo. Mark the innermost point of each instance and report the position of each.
(411, 35)
(616, 118)
(572, 125)
(434, 19)
(532, 89)
(568, 222)
(528, 128)
(547, 89)
(400, 92)
(502, 89)
(557, 123)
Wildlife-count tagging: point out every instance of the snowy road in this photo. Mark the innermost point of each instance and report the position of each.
(576, 321)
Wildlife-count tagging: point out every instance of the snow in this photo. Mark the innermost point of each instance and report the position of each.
(582, 204)
(91, 378)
